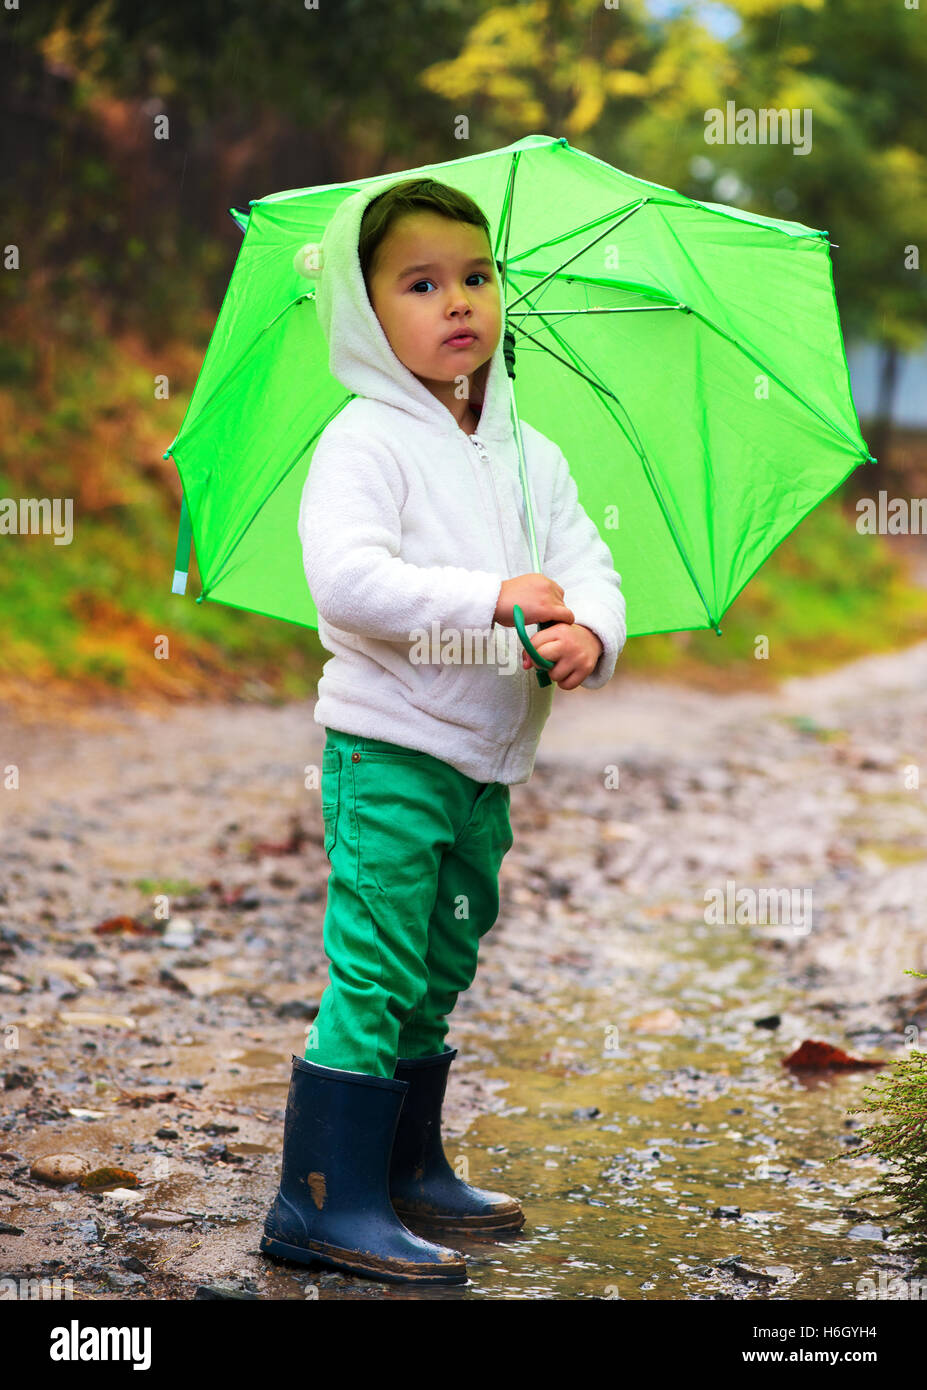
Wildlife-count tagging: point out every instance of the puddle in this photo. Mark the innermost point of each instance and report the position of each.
(621, 1203)
(258, 1057)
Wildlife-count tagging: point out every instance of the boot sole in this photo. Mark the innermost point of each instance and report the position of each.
(493, 1222)
(317, 1252)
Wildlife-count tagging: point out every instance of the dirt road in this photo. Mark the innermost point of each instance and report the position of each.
(165, 1052)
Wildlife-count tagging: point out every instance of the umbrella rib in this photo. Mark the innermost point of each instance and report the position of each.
(767, 371)
(576, 231)
(300, 298)
(566, 313)
(639, 450)
(557, 270)
(709, 323)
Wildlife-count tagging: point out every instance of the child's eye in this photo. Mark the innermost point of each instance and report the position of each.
(431, 282)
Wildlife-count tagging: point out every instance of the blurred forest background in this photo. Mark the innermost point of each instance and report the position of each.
(125, 246)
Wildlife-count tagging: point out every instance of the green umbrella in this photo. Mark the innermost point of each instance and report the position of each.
(685, 356)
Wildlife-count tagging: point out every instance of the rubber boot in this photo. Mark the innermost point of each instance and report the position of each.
(333, 1206)
(422, 1184)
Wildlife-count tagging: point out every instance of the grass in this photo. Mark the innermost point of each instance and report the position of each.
(168, 887)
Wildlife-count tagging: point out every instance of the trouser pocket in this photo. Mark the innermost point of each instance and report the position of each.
(331, 796)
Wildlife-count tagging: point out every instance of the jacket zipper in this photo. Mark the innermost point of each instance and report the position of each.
(484, 457)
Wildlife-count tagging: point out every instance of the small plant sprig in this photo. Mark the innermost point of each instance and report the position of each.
(900, 1140)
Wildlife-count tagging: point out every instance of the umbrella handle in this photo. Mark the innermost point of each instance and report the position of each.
(542, 661)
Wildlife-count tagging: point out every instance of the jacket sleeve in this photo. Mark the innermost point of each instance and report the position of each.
(350, 530)
(579, 560)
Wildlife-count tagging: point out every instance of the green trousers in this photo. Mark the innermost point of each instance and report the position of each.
(415, 848)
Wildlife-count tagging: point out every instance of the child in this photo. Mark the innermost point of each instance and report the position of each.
(412, 527)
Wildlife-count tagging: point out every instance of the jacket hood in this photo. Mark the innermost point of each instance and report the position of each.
(360, 355)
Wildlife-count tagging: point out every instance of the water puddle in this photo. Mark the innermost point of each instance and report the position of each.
(633, 1161)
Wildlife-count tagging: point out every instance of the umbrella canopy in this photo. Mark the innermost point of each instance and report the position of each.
(685, 356)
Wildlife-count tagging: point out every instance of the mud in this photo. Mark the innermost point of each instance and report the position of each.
(608, 1020)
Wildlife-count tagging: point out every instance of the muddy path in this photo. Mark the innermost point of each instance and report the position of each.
(611, 1070)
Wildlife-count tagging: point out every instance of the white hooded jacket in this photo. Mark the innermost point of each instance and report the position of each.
(409, 526)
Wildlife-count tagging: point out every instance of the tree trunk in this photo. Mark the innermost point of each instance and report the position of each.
(885, 395)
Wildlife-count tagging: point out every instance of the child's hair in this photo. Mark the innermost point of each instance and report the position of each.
(412, 195)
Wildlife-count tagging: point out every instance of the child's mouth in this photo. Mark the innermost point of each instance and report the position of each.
(461, 340)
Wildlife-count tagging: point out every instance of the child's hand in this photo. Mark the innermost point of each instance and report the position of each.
(573, 648)
(539, 598)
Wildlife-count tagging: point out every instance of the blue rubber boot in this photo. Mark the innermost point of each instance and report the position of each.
(422, 1185)
(333, 1205)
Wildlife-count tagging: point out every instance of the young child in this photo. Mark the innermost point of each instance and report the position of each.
(414, 539)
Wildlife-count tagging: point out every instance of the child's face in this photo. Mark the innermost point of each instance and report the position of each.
(435, 277)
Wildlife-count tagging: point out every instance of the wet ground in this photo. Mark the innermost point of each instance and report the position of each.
(612, 1072)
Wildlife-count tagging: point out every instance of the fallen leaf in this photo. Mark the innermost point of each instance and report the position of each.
(124, 924)
(821, 1056)
(108, 1177)
(137, 1099)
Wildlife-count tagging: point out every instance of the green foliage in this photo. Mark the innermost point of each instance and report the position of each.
(901, 1141)
(130, 246)
(171, 887)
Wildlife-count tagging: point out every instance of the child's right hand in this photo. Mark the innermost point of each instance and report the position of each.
(540, 600)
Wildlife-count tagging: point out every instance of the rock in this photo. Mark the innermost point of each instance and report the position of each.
(222, 1291)
(180, 934)
(172, 981)
(162, 1220)
(22, 1076)
(59, 1169)
(204, 981)
(710, 779)
(114, 1280)
(297, 1008)
(89, 1230)
(61, 965)
(122, 1196)
(741, 1271)
(7, 1230)
(79, 1019)
(866, 1230)
(660, 1021)
(873, 756)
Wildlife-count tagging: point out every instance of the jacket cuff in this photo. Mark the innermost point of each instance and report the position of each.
(486, 597)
